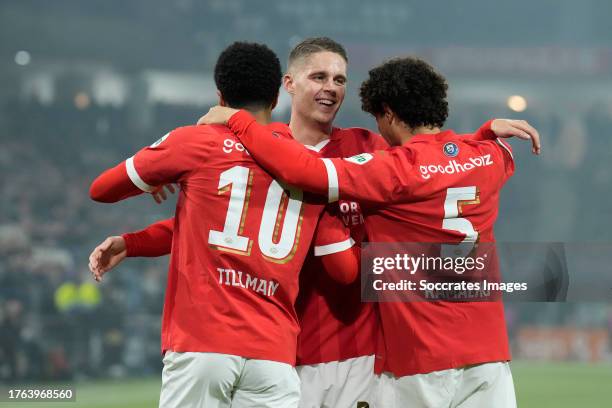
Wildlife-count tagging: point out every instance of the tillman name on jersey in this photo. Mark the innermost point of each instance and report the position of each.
(231, 277)
(454, 167)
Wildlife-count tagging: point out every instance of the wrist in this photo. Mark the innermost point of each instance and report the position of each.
(131, 244)
(239, 120)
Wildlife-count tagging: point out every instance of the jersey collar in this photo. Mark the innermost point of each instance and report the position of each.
(336, 135)
(443, 136)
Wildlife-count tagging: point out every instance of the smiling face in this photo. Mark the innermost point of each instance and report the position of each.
(317, 84)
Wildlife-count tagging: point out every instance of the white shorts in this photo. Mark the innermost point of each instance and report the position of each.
(337, 384)
(211, 380)
(479, 386)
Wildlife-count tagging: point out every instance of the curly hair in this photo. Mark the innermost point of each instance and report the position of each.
(411, 88)
(248, 75)
(314, 45)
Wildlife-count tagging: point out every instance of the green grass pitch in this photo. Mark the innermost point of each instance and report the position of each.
(538, 385)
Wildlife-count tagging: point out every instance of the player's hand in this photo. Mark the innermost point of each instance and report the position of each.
(517, 128)
(106, 256)
(159, 195)
(217, 115)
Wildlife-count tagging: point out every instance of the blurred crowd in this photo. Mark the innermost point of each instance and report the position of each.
(57, 323)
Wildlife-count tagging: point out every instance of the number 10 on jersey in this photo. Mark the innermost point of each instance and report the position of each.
(238, 180)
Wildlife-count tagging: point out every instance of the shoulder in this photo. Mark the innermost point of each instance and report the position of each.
(363, 138)
(193, 142)
(357, 133)
(183, 136)
(192, 131)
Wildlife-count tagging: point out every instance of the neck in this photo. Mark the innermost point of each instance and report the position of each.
(309, 132)
(263, 116)
(408, 133)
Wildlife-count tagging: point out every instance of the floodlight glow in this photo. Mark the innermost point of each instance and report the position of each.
(22, 58)
(517, 103)
(81, 101)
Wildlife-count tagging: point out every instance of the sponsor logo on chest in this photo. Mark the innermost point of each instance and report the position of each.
(454, 167)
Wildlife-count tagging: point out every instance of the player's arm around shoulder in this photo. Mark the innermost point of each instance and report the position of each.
(509, 128)
(378, 178)
(336, 248)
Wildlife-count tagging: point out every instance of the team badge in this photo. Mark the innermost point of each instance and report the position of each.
(362, 158)
(450, 149)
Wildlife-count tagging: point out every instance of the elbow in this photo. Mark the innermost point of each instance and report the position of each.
(347, 278)
(344, 274)
(342, 267)
(97, 193)
(293, 177)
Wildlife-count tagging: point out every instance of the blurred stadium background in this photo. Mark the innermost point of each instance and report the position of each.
(86, 84)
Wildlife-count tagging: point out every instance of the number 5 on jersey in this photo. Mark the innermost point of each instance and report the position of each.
(456, 198)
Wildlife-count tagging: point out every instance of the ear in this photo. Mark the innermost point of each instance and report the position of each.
(221, 100)
(288, 83)
(389, 114)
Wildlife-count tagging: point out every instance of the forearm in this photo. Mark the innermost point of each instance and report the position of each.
(286, 160)
(343, 266)
(113, 185)
(153, 241)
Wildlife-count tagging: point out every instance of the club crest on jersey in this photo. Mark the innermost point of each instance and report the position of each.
(450, 149)
(362, 158)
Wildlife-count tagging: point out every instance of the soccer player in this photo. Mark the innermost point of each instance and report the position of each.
(434, 353)
(229, 328)
(337, 342)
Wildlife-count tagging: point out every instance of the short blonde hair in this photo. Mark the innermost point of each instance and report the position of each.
(315, 45)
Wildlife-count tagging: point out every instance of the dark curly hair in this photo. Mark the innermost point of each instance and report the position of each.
(248, 75)
(411, 88)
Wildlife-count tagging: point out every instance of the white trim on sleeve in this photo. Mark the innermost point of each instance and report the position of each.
(333, 248)
(135, 177)
(333, 192)
(502, 144)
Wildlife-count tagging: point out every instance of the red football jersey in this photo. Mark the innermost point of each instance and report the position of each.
(438, 188)
(240, 240)
(428, 196)
(335, 324)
